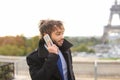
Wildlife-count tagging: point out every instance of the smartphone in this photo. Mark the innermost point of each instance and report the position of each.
(48, 39)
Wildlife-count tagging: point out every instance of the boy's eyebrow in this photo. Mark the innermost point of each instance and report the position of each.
(59, 31)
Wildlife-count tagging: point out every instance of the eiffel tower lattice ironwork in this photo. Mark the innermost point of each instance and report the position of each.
(115, 9)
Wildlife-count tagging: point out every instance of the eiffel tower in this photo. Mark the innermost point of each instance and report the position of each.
(115, 9)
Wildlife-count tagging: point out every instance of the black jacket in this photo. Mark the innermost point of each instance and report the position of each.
(43, 66)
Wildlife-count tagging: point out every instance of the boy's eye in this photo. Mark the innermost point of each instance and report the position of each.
(60, 33)
(57, 33)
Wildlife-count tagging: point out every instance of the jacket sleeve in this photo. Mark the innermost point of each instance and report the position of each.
(44, 69)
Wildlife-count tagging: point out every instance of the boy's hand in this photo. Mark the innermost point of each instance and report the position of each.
(52, 48)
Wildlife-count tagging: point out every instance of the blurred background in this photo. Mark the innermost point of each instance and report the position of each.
(92, 26)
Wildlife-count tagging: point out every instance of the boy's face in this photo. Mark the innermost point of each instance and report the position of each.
(57, 36)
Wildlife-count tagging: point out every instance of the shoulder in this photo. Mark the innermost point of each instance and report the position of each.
(33, 54)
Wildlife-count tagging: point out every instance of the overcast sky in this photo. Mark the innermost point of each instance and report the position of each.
(80, 17)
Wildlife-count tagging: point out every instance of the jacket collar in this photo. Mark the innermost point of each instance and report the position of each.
(42, 51)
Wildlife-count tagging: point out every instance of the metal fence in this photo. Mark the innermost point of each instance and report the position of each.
(20, 67)
(84, 70)
(97, 70)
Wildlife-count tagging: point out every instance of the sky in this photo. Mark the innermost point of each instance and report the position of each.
(80, 17)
